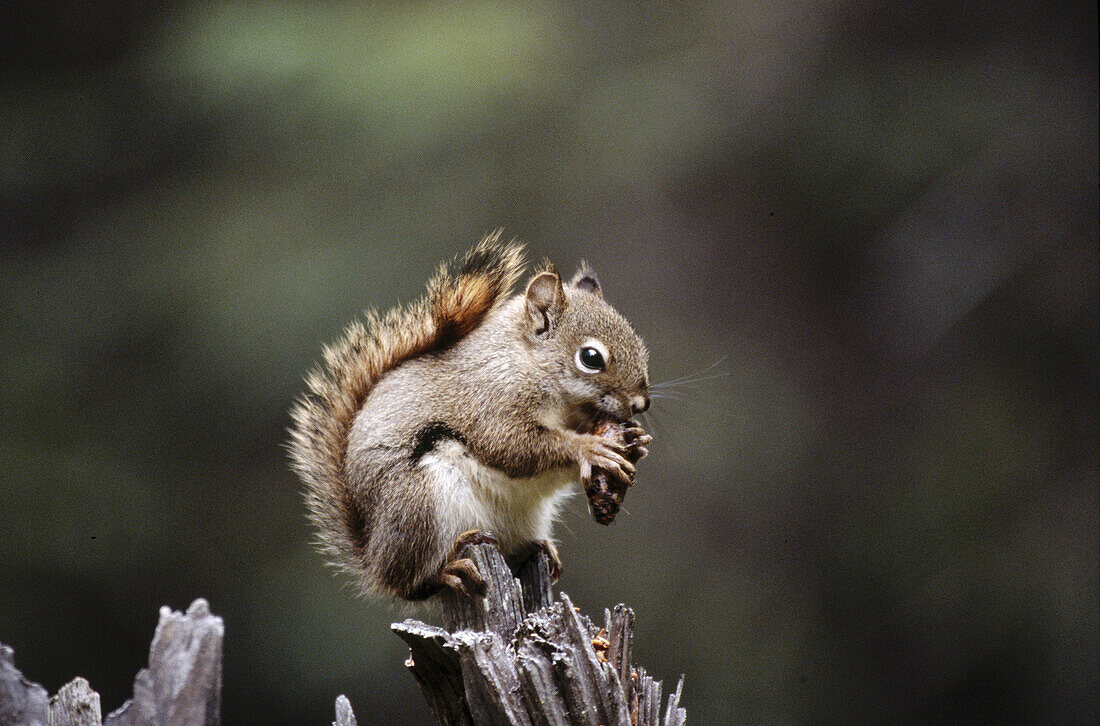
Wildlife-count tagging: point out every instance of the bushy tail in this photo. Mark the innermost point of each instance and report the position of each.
(459, 297)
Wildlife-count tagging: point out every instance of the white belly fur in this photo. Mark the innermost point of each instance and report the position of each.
(471, 495)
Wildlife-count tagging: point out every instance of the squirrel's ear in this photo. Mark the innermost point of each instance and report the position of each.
(585, 279)
(545, 301)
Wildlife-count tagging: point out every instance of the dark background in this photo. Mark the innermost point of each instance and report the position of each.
(871, 229)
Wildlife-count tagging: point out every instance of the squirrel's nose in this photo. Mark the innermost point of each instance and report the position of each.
(640, 404)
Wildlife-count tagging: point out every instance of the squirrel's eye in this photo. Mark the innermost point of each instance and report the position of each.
(591, 358)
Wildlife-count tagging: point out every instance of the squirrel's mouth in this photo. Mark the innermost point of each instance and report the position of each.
(588, 417)
(612, 407)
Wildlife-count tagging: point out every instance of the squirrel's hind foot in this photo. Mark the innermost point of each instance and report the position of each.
(459, 573)
(554, 560)
(462, 577)
(532, 550)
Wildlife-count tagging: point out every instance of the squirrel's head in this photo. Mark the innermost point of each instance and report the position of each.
(599, 362)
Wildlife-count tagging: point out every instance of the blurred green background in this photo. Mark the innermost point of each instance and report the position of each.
(870, 227)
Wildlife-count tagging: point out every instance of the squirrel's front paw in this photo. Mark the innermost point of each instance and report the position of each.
(635, 439)
(609, 455)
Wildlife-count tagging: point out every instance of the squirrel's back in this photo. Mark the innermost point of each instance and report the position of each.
(458, 299)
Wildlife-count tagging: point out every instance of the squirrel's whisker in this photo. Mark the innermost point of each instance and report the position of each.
(691, 378)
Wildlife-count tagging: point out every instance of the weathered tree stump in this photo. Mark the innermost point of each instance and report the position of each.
(513, 657)
(76, 704)
(21, 701)
(181, 687)
(518, 657)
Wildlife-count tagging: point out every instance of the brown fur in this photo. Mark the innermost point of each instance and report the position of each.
(459, 297)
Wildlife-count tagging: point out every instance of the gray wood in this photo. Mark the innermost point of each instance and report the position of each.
(22, 703)
(649, 700)
(182, 684)
(518, 657)
(538, 679)
(534, 581)
(619, 625)
(514, 658)
(491, 679)
(674, 714)
(593, 681)
(76, 704)
(437, 670)
(502, 613)
(180, 687)
(344, 716)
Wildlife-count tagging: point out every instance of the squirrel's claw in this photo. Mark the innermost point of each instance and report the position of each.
(636, 440)
(552, 557)
(461, 575)
(472, 537)
(635, 434)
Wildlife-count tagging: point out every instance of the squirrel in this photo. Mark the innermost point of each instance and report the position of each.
(464, 418)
